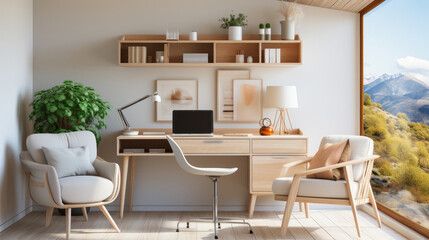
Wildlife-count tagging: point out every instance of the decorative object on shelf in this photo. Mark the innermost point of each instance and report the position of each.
(195, 58)
(172, 36)
(193, 36)
(272, 55)
(239, 58)
(69, 107)
(292, 13)
(137, 54)
(155, 98)
(281, 98)
(266, 129)
(158, 55)
(267, 31)
(225, 99)
(249, 59)
(235, 25)
(261, 31)
(176, 95)
(247, 100)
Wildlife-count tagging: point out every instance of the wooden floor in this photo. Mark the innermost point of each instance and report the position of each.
(328, 224)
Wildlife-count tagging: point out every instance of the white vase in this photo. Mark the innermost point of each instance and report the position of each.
(235, 33)
(288, 29)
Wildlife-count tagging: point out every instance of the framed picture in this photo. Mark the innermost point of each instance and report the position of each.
(247, 100)
(175, 95)
(225, 98)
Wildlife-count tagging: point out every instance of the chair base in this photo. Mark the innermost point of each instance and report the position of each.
(215, 219)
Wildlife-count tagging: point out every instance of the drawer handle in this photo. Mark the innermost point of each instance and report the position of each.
(213, 141)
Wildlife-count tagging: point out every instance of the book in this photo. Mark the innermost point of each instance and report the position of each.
(266, 55)
(272, 55)
(144, 54)
(153, 133)
(133, 150)
(138, 55)
(278, 55)
(130, 54)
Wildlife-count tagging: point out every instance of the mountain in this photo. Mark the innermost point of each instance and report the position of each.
(400, 93)
(370, 82)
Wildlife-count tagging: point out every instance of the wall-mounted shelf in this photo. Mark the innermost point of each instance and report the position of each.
(221, 52)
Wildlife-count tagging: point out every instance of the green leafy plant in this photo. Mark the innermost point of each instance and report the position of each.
(69, 107)
(267, 25)
(240, 20)
(261, 26)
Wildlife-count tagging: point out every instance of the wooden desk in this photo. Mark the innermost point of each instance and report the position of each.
(267, 155)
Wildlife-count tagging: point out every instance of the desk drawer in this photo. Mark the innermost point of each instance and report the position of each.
(279, 146)
(214, 146)
(264, 169)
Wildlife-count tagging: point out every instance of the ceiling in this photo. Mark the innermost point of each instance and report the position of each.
(345, 5)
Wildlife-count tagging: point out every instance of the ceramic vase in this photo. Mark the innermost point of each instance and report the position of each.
(235, 33)
(288, 29)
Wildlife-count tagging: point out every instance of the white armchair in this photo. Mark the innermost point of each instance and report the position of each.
(353, 191)
(74, 191)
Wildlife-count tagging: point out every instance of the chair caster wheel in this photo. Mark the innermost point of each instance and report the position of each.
(251, 232)
(187, 225)
(216, 237)
(177, 230)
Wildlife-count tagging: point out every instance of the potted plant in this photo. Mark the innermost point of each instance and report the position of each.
(292, 13)
(69, 107)
(235, 25)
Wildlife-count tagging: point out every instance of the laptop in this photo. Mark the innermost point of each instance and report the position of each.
(193, 123)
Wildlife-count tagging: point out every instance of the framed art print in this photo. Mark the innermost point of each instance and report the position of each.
(175, 95)
(247, 100)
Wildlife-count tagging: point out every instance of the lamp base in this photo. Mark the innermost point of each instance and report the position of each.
(130, 133)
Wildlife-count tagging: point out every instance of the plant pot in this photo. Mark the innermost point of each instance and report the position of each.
(235, 33)
(288, 30)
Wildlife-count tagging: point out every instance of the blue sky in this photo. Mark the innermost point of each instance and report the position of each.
(396, 39)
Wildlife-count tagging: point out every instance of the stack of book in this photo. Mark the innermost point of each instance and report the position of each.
(137, 54)
(195, 58)
(272, 55)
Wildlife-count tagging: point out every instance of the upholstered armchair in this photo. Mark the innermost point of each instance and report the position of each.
(353, 191)
(79, 191)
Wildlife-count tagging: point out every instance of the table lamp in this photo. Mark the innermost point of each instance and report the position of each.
(281, 98)
(124, 121)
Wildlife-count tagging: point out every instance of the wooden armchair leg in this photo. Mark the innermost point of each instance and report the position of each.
(307, 214)
(85, 214)
(300, 207)
(106, 213)
(293, 191)
(68, 222)
(374, 206)
(49, 212)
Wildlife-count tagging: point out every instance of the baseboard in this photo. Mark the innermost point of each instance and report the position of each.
(392, 223)
(16, 218)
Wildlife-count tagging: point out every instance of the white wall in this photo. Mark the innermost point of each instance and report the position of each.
(16, 86)
(77, 40)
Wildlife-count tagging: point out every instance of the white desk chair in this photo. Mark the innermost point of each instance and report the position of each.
(214, 174)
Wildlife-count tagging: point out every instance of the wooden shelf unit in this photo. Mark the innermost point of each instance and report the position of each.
(221, 51)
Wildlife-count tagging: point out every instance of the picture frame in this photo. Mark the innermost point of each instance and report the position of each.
(247, 100)
(224, 86)
(175, 95)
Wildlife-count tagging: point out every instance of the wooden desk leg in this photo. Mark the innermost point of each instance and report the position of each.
(123, 185)
(252, 202)
(132, 169)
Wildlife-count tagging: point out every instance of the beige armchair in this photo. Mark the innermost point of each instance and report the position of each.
(70, 192)
(353, 191)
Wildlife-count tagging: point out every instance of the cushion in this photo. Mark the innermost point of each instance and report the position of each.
(69, 161)
(85, 189)
(35, 142)
(338, 173)
(321, 188)
(360, 147)
(328, 154)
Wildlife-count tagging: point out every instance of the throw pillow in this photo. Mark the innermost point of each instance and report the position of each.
(339, 172)
(70, 161)
(328, 154)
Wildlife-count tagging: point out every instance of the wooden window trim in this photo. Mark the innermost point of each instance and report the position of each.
(381, 207)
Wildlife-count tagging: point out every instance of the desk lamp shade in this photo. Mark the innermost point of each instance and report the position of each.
(282, 98)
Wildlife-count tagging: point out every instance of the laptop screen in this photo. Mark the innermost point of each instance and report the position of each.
(192, 121)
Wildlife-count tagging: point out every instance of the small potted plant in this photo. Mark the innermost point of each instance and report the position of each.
(69, 107)
(292, 13)
(235, 25)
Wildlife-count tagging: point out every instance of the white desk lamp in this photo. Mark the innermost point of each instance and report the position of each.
(282, 98)
(124, 121)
